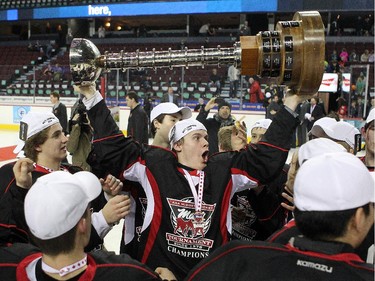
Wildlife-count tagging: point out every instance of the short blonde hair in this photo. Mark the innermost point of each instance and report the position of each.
(224, 138)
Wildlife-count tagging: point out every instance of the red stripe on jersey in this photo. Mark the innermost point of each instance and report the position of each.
(345, 257)
(289, 225)
(21, 268)
(108, 138)
(271, 216)
(197, 271)
(274, 146)
(15, 227)
(156, 217)
(21, 274)
(8, 264)
(131, 164)
(8, 186)
(236, 171)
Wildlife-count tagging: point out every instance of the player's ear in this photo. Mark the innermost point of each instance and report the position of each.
(177, 146)
(156, 123)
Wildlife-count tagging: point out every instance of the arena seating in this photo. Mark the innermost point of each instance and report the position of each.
(16, 77)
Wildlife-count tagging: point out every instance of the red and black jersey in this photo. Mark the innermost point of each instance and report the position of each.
(303, 260)
(11, 256)
(172, 236)
(23, 261)
(283, 235)
(133, 222)
(290, 230)
(264, 214)
(13, 227)
(7, 177)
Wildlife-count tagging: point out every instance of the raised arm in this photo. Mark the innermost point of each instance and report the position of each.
(112, 152)
(264, 161)
(203, 113)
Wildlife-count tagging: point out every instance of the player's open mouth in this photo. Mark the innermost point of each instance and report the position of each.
(205, 156)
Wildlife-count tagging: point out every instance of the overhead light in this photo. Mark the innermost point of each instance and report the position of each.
(108, 24)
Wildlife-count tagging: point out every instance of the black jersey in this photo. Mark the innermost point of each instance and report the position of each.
(259, 215)
(365, 251)
(13, 227)
(303, 260)
(172, 236)
(23, 261)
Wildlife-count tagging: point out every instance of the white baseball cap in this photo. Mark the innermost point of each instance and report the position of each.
(333, 182)
(169, 108)
(57, 201)
(371, 116)
(262, 123)
(316, 147)
(33, 123)
(322, 124)
(343, 131)
(182, 128)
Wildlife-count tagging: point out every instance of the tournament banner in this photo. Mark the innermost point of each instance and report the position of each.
(329, 83)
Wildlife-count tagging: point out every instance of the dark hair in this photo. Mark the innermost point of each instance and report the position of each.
(61, 244)
(32, 142)
(325, 225)
(133, 95)
(224, 103)
(316, 99)
(56, 95)
(160, 119)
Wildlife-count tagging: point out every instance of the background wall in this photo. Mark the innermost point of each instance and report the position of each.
(10, 114)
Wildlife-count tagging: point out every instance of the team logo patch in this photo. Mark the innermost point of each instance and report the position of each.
(189, 228)
(242, 227)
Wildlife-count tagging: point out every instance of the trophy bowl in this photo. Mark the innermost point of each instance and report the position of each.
(83, 55)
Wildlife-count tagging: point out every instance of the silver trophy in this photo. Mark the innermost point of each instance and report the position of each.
(292, 55)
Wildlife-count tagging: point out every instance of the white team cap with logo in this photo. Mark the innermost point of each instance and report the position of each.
(262, 123)
(169, 108)
(33, 123)
(182, 128)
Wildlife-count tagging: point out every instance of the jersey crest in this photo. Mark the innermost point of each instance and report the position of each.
(189, 227)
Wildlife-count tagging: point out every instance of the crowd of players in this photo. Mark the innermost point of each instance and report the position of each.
(189, 214)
